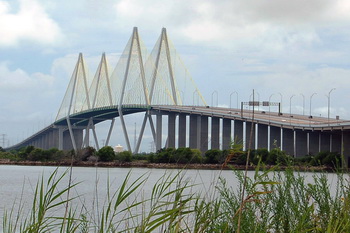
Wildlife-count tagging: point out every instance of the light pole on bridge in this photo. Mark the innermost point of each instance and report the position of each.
(194, 93)
(329, 102)
(236, 98)
(217, 97)
(311, 102)
(303, 103)
(290, 108)
(281, 100)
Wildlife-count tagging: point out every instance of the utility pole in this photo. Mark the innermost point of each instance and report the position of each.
(3, 139)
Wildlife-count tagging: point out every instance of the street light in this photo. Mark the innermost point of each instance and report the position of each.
(303, 104)
(281, 100)
(193, 96)
(216, 98)
(329, 101)
(236, 97)
(310, 102)
(290, 105)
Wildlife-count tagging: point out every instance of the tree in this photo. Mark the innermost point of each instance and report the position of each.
(106, 154)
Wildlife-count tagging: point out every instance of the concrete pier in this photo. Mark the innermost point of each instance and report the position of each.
(314, 143)
(194, 131)
(262, 136)
(171, 130)
(275, 137)
(300, 143)
(226, 134)
(249, 135)
(288, 141)
(204, 134)
(182, 131)
(215, 133)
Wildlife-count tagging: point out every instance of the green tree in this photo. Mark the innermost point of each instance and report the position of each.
(106, 154)
(124, 156)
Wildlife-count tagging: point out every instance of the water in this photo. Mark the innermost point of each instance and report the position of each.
(17, 183)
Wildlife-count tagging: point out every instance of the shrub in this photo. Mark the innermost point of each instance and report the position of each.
(8, 155)
(106, 154)
(124, 156)
(165, 155)
(37, 155)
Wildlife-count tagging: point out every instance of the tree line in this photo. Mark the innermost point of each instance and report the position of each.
(171, 155)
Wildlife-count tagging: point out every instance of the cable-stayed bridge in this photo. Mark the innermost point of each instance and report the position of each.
(158, 84)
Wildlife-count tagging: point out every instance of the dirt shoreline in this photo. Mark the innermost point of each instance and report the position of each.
(143, 164)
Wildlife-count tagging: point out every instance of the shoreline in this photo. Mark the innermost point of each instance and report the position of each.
(143, 164)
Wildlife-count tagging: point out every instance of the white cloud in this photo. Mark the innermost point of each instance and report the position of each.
(19, 81)
(31, 22)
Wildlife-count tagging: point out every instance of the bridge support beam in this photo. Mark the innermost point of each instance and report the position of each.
(249, 135)
(325, 141)
(182, 131)
(215, 133)
(300, 143)
(238, 131)
(226, 133)
(204, 134)
(288, 141)
(314, 143)
(159, 131)
(262, 136)
(194, 131)
(346, 148)
(171, 130)
(336, 143)
(275, 137)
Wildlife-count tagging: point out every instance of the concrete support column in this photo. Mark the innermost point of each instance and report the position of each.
(226, 134)
(238, 131)
(300, 143)
(346, 147)
(262, 136)
(249, 141)
(204, 134)
(336, 143)
(193, 131)
(55, 138)
(215, 133)
(314, 143)
(182, 130)
(159, 131)
(288, 141)
(171, 130)
(325, 142)
(46, 141)
(275, 137)
(60, 138)
(79, 137)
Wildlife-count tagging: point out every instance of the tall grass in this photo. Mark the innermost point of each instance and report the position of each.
(274, 201)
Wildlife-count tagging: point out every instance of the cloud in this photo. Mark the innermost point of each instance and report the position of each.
(31, 22)
(19, 81)
(273, 23)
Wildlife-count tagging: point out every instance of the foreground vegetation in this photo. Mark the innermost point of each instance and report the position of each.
(178, 156)
(272, 202)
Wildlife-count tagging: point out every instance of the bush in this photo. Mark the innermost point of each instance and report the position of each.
(215, 156)
(260, 154)
(165, 156)
(8, 155)
(124, 156)
(106, 154)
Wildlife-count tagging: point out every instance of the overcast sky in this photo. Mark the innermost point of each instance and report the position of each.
(273, 46)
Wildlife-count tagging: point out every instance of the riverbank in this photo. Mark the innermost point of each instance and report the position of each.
(145, 164)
